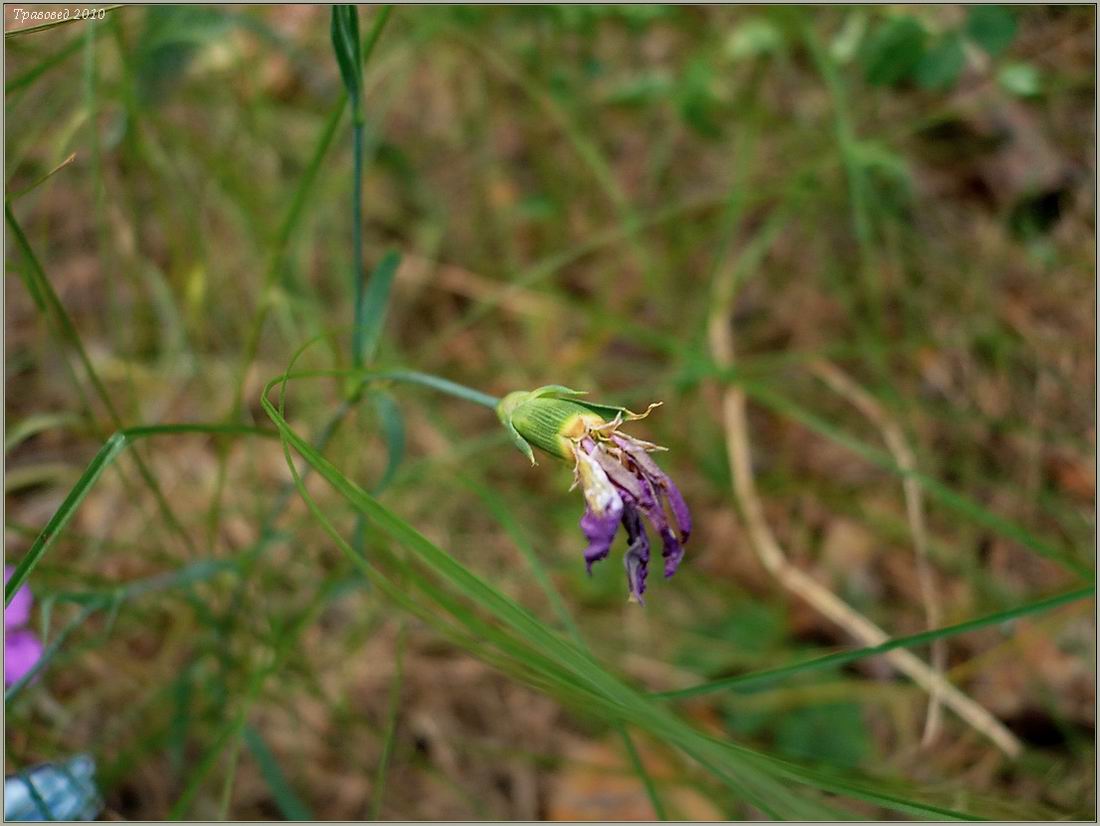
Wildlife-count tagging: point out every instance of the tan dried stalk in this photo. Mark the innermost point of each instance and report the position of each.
(895, 441)
(771, 555)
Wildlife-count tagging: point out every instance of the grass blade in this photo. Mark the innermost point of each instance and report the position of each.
(931, 486)
(375, 301)
(345, 44)
(391, 728)
(102, 460)
(844, 657)
(286, 798)
(393, 430)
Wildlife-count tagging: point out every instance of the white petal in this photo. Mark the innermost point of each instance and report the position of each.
(599, 493)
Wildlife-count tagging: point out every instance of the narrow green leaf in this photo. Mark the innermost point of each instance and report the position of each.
(374, 304)
(393, 430)
(288, 801)
(391, 727)
(345, 43)
(640, 770)
(57, 59)
(503, 515)
(844, 657)
(35, 424)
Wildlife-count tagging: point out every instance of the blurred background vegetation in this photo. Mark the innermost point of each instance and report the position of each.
(616, 198)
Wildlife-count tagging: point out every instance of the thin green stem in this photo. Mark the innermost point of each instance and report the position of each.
(359, 272)
(643, 773)
(451, 388)
(391, 727)
(230, 776)
(844, 657)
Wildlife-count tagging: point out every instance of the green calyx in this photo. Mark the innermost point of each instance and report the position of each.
(550, 417)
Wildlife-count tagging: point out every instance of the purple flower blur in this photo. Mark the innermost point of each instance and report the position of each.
(21, 647)
(620, 481)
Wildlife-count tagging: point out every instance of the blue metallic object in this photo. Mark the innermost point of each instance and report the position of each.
(54, 791)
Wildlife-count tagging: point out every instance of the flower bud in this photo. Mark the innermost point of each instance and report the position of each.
(619, 480)
(553, 424)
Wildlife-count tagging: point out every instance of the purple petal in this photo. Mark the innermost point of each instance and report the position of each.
(661, 481)
(679, 508)
(21, 651)
(673, 551)
(18, 611)
(637, 555)
(600, 532)
(603, 507)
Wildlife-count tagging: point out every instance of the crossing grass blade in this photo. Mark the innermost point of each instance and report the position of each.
(844, 657)
(45, 298)
(503, 515)
(933, 487)
(107, 454)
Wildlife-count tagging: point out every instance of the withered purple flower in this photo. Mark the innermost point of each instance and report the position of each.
(619, 479)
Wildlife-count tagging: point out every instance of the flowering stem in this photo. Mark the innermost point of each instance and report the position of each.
(355, 95)
(459, 391)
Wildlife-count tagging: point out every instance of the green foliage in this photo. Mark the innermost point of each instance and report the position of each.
(940, 66)
(392, 425)
(534, 653)
(893, 51)
(288, 801)
(1021, 79)
(900, 51)
(586, 17)
(832, 733)
(991, 27)
(756, 37)
(170, 40)
(838, 659)
(698, 104)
